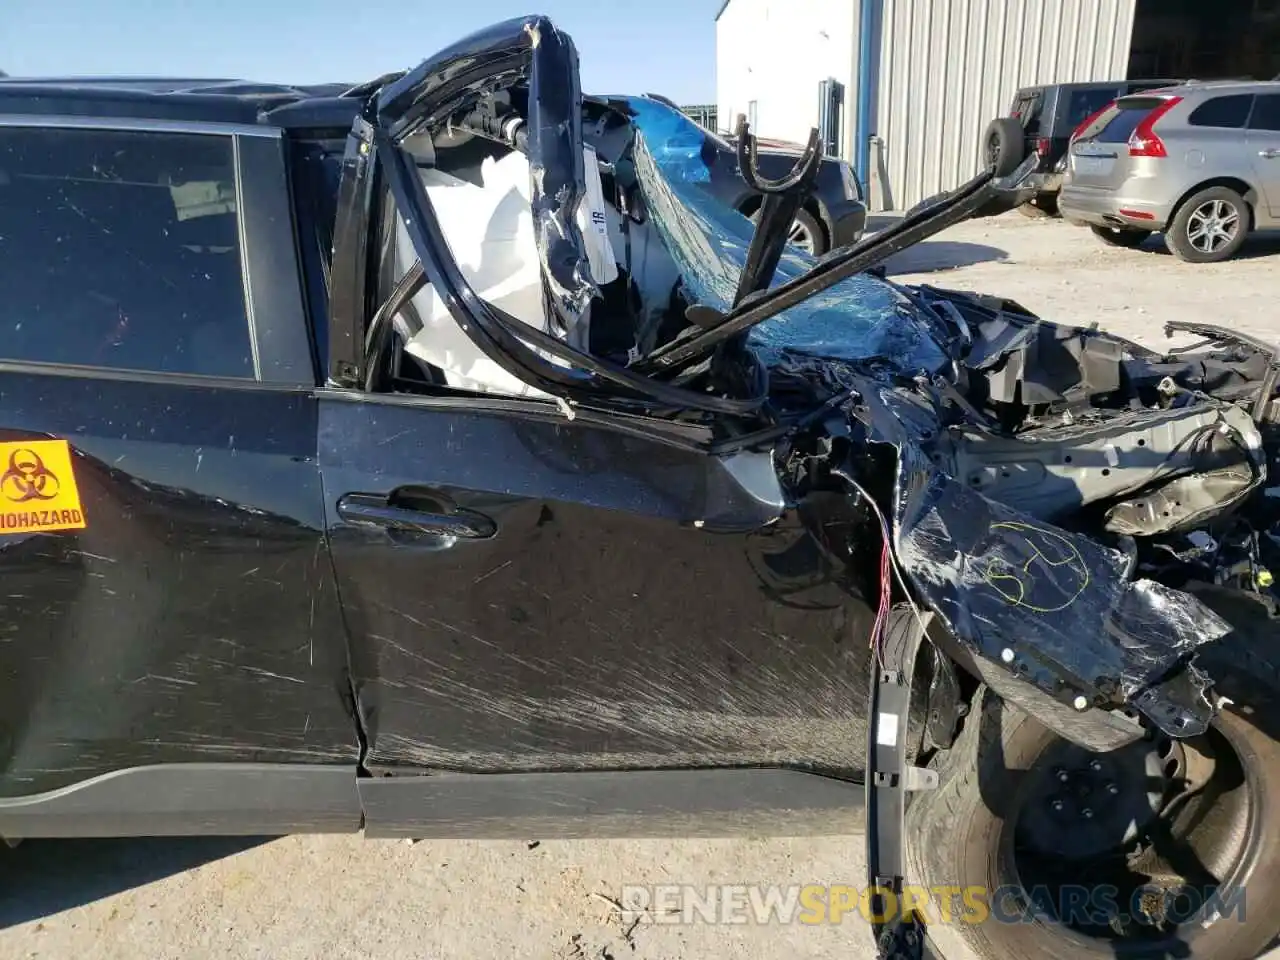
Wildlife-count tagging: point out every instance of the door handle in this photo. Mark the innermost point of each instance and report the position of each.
(1269, 154)
(440, 519)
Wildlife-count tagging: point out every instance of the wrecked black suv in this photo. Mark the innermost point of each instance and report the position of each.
(438, 457)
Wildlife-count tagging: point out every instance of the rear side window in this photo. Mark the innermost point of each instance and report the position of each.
(1118, 123)
(1229, 113)
(122, 249)
(1083, 104)
(1266, 114)
(1027, 107)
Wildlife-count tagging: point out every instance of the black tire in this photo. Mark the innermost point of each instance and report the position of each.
(809, 223)
(1121, 236)
(1004, 145)
(1189, 244)
(962, 832)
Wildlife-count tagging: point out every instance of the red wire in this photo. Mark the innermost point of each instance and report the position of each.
(882, 612)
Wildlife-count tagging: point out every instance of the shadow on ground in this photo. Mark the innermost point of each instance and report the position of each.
(930, 256)
(934, 255)
(1264, 243)
(43, 877)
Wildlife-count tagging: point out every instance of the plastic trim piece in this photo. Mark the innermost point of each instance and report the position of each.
(138, 124)
(191, 799)
(631, 803)
(889, 779)
(276, 308)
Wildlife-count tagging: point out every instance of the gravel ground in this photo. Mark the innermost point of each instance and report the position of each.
(337, 897)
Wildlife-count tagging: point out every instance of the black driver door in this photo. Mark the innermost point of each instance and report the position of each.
(529, 593)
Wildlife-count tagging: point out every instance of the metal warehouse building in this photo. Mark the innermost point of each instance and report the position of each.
(904, 88)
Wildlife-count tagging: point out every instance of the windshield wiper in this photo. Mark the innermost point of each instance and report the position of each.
(960, 205)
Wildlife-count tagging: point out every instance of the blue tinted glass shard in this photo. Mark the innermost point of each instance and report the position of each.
(857, 319)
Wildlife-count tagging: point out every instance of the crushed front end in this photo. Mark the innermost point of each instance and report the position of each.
(1056, 497)
(1051, 495)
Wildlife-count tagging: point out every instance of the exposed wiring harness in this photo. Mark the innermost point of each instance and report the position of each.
(888, 561)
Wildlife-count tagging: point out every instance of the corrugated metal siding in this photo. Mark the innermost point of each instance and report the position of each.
(948, 67)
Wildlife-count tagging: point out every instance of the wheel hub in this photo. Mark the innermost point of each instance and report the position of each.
(799, 237)
(1213, 225)
(1089, 804)
(1153, 829)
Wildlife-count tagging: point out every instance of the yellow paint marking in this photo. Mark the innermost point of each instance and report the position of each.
(1014, 584)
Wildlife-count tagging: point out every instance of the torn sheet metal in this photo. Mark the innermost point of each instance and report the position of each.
(532, 50)
(1057, 609)
(556, 168)
(859, 318)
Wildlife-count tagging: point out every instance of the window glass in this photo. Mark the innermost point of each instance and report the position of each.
(1119, 123)
(121, 249)
(1227, 112)
(1027, 107)
(1084, 104)
(1266, 115)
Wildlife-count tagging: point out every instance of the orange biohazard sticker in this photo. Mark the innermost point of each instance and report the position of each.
(38, 488)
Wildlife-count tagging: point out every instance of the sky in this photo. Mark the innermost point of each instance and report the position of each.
(625, 46)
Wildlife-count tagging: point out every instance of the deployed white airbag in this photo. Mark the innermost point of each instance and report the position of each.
(490, 234)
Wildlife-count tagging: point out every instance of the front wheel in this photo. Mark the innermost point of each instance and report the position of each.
(1051, 851)
(1121, 236)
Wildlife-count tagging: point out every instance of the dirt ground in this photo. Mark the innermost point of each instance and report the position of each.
(337, 897)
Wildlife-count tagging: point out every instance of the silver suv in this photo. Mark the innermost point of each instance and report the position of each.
(1200, 162)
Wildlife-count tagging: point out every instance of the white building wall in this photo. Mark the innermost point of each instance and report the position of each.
(948, 67)
(776, 52)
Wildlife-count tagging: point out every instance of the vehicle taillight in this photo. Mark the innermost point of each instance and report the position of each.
(1090, 121)
(1144, 142)
(1043, 144)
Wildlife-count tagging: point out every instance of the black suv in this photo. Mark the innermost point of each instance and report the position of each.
(438, 457)
(1041, 121)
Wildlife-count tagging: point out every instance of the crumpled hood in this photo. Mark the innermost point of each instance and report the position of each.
(1056, 608)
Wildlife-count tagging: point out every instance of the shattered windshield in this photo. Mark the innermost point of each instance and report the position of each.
(859, 318)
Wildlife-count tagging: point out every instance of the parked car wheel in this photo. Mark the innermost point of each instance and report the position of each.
(1209, 227)
(1116, 848)
(1004, 145)
(806, 233)
(1121, 236)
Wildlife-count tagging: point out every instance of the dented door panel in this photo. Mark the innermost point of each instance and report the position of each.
(635, 606)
